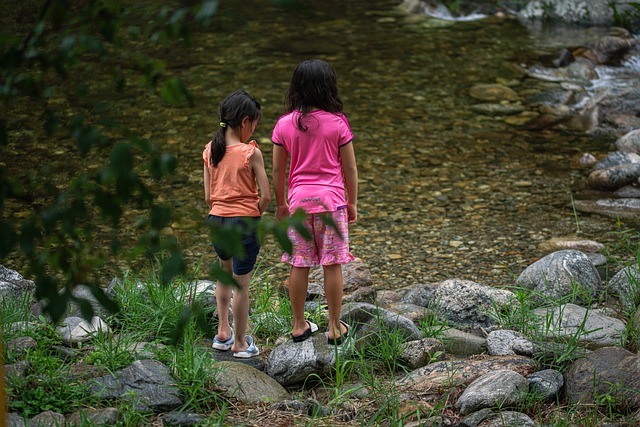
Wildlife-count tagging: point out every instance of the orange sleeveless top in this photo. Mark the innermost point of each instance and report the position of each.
(233, 187)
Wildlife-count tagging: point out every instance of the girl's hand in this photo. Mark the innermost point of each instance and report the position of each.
(352, 212)
(282, 211)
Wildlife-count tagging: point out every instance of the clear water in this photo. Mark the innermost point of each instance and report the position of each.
(444, 191)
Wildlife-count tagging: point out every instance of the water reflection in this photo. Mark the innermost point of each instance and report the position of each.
(445, 192)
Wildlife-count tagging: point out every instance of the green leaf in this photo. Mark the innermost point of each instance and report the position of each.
(85, 308)
(29, 235)
(103, 299)
(8, 237)
(328, 220)
(86, 137)
(282, 237)
(218, 273)
(227, 238)
(171, 267)
(206, 12)
(299, 222)
(178, 16)
(173, 90)
(160, 216)
(201, 319)
(51, 124)
(178, 331)
(67, 44)
(57, 303)
(3, 133)
(121, 159)
(163, 165)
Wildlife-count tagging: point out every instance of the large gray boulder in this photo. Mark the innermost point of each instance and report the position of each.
(451, 373)
(74, 330)
(248, 384)
(502, 388)
(47, 419)
(501, 342)
(292, 363)
(545, 385)
(469, 305)
(147, 383)
(559, 274)
(83, 292)
(370, 322)
(418, 353)
(14, 420)
(461, 343)
(13, 285)
(614, 177)
(93, 416)
(588, 328)
(630, 142)
(617, 158)
(626, 286)
(611, 371)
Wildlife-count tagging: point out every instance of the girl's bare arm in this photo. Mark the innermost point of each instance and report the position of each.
(207, 189)
(256, 162)
(350, 171)
(278, 176)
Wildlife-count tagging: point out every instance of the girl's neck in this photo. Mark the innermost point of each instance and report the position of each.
(310, 109)
(231, 138)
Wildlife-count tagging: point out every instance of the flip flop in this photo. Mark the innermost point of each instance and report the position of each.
(338, 340)
(307, 332)
(251, 351)
(223, 345)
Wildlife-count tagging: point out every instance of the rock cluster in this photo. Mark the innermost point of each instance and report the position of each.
(615, 181)
(574, 103)
(569, 324)
(576, 97)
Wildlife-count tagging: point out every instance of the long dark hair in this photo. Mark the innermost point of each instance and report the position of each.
(314, 84)
(232, 110)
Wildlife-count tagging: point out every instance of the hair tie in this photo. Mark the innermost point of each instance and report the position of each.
(223, 125)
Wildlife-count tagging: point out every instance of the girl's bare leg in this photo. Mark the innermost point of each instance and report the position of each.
(241, 311)
(223, 301)
(333, 292)
(298, 283)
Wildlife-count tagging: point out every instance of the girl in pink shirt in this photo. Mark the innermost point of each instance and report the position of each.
(316, 137)
(233, 171)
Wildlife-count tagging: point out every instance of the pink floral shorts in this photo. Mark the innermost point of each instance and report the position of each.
(326, 247)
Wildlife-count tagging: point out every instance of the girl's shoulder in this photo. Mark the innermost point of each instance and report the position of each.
(286, 116)
(250, 148)
(337, 118)
(206, 153)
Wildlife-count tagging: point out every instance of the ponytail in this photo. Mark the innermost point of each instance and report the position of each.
(218, 146)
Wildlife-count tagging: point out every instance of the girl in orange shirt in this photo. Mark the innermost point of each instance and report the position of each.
(233, 171)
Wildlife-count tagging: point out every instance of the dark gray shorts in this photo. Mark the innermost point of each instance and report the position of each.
(247, 226)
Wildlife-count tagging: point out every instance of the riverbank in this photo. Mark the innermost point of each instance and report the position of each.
(455, 352)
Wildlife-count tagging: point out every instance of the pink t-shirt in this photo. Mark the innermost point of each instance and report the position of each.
(316, 181)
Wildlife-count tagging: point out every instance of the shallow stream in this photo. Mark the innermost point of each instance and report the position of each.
(444, 191)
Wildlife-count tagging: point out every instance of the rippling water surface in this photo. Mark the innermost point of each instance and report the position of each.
(444, 192)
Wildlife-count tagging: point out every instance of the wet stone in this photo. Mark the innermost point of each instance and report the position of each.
(493, 92)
